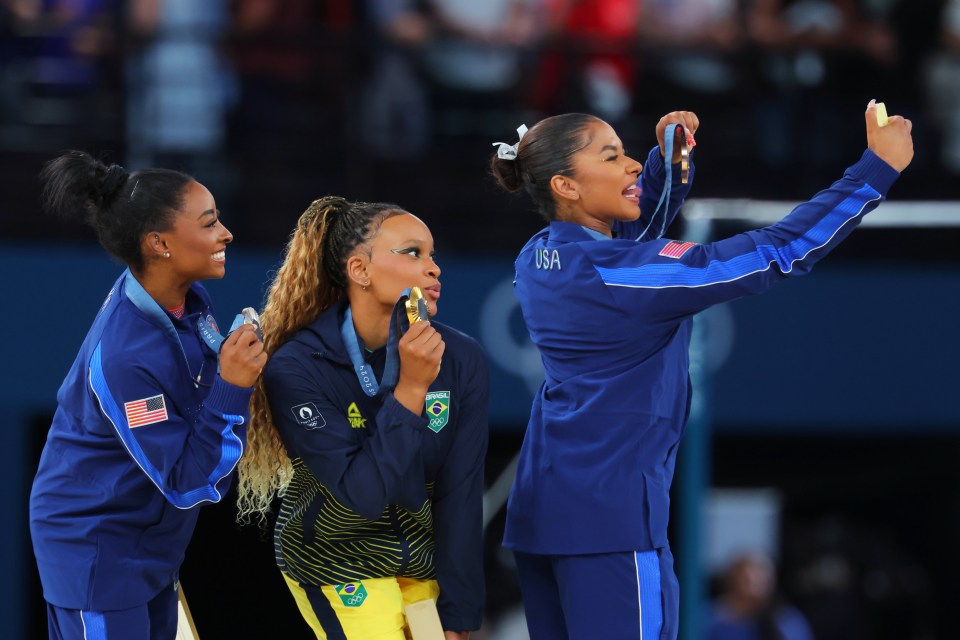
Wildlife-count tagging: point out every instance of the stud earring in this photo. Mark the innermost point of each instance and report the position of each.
(166, 254)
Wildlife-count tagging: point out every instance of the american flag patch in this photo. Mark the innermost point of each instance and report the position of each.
(145, 411)
(676, 249)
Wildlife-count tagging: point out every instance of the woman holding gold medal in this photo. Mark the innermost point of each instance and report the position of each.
(372, 426)
(609, 303)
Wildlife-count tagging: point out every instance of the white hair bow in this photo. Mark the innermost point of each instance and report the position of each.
(509, 151)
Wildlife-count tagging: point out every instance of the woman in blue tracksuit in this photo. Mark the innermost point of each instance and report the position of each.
(373, 433)
(609, 304)
(151, 417)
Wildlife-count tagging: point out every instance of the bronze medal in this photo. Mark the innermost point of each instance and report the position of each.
(684, 156)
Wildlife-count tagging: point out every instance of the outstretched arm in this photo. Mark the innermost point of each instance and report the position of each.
(669, 279)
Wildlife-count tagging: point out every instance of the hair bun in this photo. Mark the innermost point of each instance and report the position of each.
(112, 181)
(507, 173)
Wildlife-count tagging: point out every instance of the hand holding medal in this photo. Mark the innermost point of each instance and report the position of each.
(683, 141)
(248, 315)
(242, 357)
(420, 349)
(889, 136)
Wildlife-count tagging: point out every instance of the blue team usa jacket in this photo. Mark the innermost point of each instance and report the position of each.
(136, 444)
(598, 457)
(377, 490)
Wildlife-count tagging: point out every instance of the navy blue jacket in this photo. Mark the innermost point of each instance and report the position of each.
(612, 320)
(379, 491)
(135, 446)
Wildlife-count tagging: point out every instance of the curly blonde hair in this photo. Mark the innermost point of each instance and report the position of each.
(310, 280)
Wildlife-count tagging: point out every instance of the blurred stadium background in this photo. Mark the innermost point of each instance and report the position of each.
(827, 429)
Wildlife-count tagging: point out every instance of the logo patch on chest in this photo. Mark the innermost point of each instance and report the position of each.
(357, 421)
(438, 409)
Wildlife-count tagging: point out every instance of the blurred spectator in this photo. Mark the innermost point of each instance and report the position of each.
(592, 61)
(271, 49)
(809, 52)
(440, 64)
(295, 60)
(478, 46)
(298, 63)
(694, 60)
(179, 85)
(692, 38)
(478, 62)
(943, 86)
(821, 25)
(52, 71)
(395, 118)
(859, 579)
(748, 606)
(65, 38)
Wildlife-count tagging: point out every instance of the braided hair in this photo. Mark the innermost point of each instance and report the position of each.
(311, 279)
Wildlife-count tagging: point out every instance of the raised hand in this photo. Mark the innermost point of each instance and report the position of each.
(421, 350)
(893, 142)
(690, 122)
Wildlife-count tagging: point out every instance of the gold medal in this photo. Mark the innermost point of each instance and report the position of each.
(416, 306)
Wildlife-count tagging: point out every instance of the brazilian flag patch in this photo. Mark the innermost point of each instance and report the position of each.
(352, 594)
(438, 409)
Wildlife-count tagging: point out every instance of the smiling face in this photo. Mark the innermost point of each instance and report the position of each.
(401, 256)
(198, 240)
(603, 187)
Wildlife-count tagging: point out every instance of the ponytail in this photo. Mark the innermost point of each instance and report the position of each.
(546, 150)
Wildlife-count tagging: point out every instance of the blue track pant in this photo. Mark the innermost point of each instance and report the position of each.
(615, 596)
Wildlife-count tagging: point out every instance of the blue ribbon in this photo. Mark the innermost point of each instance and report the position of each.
(211, 336)
(668, 136)
(391, 369)
(365, 374)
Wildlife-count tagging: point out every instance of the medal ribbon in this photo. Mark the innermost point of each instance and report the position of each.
(365, 374)
(209, 335)
(664, 202)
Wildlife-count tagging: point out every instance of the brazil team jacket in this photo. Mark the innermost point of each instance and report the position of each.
(136, 445)
(612, 321)
(377, 490)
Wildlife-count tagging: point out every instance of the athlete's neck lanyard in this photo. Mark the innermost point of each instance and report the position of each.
(207, 331)
(365, 374)
(668, 135)
(209, 334)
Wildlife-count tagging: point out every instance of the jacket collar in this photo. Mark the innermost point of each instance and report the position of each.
(572, 232)
(142, 300)
(323, 334)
